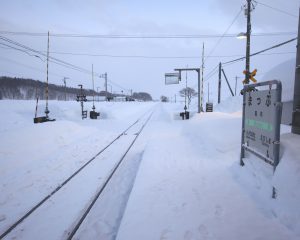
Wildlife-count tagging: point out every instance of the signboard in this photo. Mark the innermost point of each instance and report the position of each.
(261, 121)
(172, 78)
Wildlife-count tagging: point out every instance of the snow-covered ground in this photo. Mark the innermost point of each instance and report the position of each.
(181, 180)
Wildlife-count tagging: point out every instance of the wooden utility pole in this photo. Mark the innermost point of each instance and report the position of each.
(296, 104)
(219, 84)
(247, 77)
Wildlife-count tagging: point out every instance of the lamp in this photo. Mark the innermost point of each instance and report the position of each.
(241, 35)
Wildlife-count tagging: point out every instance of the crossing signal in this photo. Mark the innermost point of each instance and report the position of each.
(251, 76)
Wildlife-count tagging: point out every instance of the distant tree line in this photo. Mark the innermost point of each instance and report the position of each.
(143, 96)
(21, 88)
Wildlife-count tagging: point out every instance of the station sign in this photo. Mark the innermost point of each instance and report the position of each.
(261, 121)
(172, 78)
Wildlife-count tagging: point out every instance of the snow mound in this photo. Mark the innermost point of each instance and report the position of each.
(230, 105)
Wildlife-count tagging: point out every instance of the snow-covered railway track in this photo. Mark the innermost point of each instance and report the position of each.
(118, 147)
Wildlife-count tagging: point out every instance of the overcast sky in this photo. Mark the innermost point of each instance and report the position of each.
(132, 63)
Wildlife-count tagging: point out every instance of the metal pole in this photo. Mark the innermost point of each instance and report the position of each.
(65, 83)
(47, 86)
(235, 85)
(185, 92)
(296, 104)
(248, 42)
(242, 154)
(227, 82)
(105, 76)
(219, 85)
(199, 104)
(208, 92)
(202, 68)
(93, 88)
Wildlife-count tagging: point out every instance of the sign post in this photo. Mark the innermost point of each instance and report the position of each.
(179, 70)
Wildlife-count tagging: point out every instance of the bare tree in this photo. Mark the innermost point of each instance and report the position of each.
(189, 93)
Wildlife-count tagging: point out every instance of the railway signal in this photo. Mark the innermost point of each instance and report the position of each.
(81, 97)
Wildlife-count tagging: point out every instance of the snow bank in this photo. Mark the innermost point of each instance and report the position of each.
(190, 186)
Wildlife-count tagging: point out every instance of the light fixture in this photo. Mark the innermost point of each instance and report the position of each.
(241, 35)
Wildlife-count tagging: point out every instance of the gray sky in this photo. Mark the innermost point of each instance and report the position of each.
(143, 18)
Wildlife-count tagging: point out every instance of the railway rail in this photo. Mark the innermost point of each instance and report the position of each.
(136, 127)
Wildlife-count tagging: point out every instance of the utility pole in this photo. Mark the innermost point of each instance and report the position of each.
(47, 86)
(105, 77)
(65, 83)
(93, 88)
(296, 104)
(175, 98)
(208, 92)
(185, 92)
(219, 85)
(247, 77)
(202, 68)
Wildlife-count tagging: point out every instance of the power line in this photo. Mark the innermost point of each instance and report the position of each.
(146, 36)
(136, 56)
(51, 59)
(276, 9)
(27, 66)
(259, 52)
(211, 72)
(227, 29)
(152, 57)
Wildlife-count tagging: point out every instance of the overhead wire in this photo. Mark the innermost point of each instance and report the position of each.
(259, 52)
(29, 67)
(276, 9)
(51, 59)
(227, 29)
(145, 36)
(146, 56)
